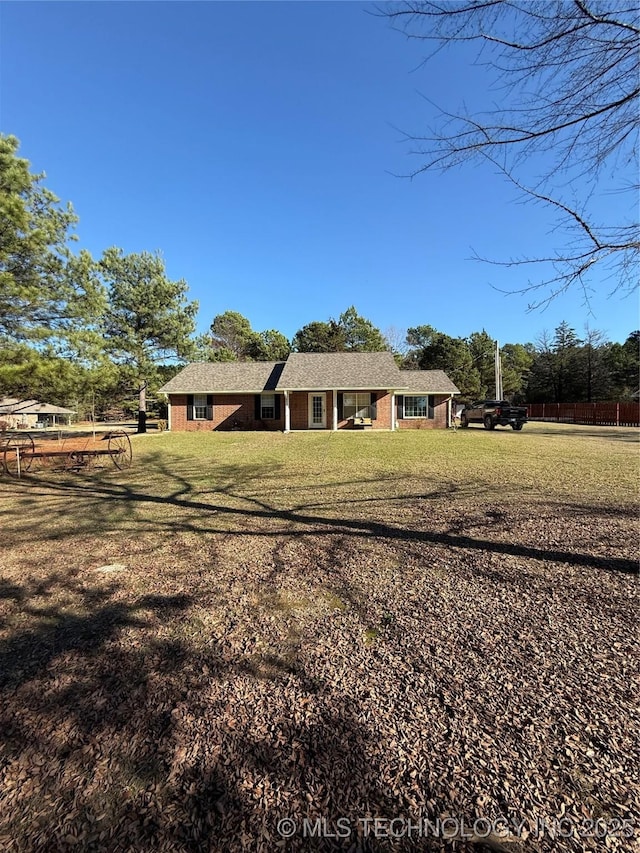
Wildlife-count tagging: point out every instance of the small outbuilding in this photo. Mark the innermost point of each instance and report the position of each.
(32, 414)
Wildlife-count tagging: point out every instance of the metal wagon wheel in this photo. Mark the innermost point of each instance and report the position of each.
(18, 454)
(120, 451)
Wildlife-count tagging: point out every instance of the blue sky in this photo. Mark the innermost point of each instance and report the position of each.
(256, 145)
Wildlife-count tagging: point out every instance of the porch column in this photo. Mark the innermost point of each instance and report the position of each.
(449, 418)
(287, 413)
(393, 410)
(334, 425)
(169, 414)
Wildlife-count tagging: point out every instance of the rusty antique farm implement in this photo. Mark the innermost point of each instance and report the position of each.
(19, 453)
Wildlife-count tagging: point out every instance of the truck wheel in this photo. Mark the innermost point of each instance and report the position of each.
(517, 427)
(488, 422)
(464, 423)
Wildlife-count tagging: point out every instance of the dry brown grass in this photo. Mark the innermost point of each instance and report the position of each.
(245, 627)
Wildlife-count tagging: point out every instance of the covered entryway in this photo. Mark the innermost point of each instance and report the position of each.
(318, 410)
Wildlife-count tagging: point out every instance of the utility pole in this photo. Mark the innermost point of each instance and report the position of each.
(498, 373)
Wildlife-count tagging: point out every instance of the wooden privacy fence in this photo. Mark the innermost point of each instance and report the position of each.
(600, 414)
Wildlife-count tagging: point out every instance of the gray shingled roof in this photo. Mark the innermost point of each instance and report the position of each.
(32, 407)
(45, 409)
(427, 382)
(211, 377)
(307, 371)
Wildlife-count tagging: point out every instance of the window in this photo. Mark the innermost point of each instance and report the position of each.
(267, 407)
(199, 407)
(356, 406)
(418, 406)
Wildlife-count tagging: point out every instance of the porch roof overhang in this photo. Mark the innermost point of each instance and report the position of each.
(341, 389)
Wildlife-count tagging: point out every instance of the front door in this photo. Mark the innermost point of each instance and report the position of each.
(318, 411)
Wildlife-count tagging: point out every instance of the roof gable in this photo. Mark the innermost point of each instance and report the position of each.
(341, 370)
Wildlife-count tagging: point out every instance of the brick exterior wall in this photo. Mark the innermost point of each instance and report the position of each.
(299, 408)
(383, 410)
(237, 411)
(230, 411)
(439, 420)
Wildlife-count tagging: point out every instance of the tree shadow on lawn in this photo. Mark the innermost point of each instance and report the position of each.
(122, 734)
(115, 738)
(59, 631)
(260, 517)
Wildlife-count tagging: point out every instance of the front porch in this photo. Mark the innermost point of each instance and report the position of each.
(333, 409)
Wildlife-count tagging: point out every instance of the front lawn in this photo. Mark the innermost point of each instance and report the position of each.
(245, 627)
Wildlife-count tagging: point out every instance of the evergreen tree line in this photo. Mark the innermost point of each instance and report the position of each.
(559, 367)
(102, 334)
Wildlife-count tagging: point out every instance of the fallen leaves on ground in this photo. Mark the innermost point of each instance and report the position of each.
(415, 660)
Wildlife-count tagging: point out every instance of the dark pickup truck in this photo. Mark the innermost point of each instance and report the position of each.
(493, 413)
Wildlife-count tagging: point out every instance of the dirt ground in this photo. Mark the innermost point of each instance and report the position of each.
(280, 646)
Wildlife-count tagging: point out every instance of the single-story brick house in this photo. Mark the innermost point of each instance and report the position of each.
(309, 391)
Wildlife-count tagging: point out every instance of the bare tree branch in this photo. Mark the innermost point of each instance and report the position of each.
(569, 72)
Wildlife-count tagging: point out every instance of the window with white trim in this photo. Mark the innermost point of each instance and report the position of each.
(418, 406)
(199, 407)
(267, 407)
(356, 406)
